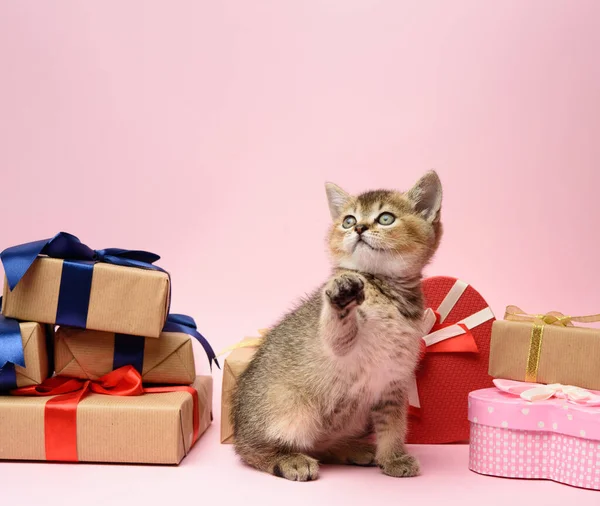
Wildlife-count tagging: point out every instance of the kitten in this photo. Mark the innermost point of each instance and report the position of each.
(340, 364)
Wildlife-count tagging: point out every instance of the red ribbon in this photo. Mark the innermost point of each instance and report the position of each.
(463, 343)
(60, 412)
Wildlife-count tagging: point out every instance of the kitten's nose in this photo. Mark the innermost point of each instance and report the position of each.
(360, 229)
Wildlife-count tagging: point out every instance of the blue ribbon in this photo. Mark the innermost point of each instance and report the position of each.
(129, 350)
(187, 325)
(11, 352)
(8, 378)
(76, 279)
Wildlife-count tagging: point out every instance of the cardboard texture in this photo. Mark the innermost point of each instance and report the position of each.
(123, 299)
(235, 364)
(569, 355)
(154, 428)
(88, 354)
(36, 356)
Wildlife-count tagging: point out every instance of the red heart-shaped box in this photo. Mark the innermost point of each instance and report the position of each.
(445, 377)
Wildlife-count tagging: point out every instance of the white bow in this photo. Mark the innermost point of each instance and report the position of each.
(533, 392)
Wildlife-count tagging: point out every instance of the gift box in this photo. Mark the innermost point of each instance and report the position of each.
(112, 420)
(546, 348)
(532, 432)
(235, 364)
(89, 354)
(454, 363)
(23, 354)
(62, 281)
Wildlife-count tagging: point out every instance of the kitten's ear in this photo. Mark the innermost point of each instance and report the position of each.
(426, 196)
(337, 198)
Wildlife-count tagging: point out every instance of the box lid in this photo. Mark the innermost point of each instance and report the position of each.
(492, 407)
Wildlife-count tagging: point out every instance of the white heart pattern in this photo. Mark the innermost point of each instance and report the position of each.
(504, 424)
(570, 416)
(541, 425)
(582, 433)
(525, 411)
(555, 426)
(490, 409)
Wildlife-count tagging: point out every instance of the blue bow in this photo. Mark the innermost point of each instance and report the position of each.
(77, 271)
(18, 259)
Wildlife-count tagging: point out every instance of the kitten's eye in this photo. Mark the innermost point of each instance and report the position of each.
(349, 221)
(386, 219)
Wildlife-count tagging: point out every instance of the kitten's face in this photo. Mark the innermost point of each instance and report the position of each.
(386, 232)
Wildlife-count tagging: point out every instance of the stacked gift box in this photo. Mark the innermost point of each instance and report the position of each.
(93, 366)
(541, 420)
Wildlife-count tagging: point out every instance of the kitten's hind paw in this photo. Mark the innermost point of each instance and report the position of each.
(296, 467)
(344, 290)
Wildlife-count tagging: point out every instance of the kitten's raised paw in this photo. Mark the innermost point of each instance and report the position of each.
(344, 290)
(401, 466)
(296, 467)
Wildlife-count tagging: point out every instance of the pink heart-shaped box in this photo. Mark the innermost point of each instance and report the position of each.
(553, 439)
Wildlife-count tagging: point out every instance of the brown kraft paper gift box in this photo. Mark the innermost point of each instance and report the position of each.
(154, 428)
(35, 354)
(234, 365)
(126, 300)
(89, 354)
(561, 353)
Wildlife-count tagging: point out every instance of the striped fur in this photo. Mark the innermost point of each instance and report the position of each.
(339, 364)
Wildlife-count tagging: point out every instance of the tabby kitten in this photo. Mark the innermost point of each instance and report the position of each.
(340, 364)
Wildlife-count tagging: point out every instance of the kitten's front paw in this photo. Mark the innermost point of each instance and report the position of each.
(344, 290)
(401, 466)
(296, 467)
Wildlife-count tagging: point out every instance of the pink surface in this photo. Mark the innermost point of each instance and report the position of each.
(205, 131)
(492, 407)
(212, 475)
(514, 453)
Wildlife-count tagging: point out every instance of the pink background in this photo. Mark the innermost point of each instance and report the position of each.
(204, 131)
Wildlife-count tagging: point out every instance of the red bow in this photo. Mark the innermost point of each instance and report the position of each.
(463, 343)
(60, 412)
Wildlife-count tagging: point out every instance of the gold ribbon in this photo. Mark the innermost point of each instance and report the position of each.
(539, 321)
(249, 342)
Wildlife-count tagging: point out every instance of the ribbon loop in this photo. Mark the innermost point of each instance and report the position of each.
(182, 319)
(125, 381)
(11, 352)
(11, 342)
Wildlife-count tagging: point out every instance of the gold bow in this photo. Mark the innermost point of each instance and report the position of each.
(539, 321)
